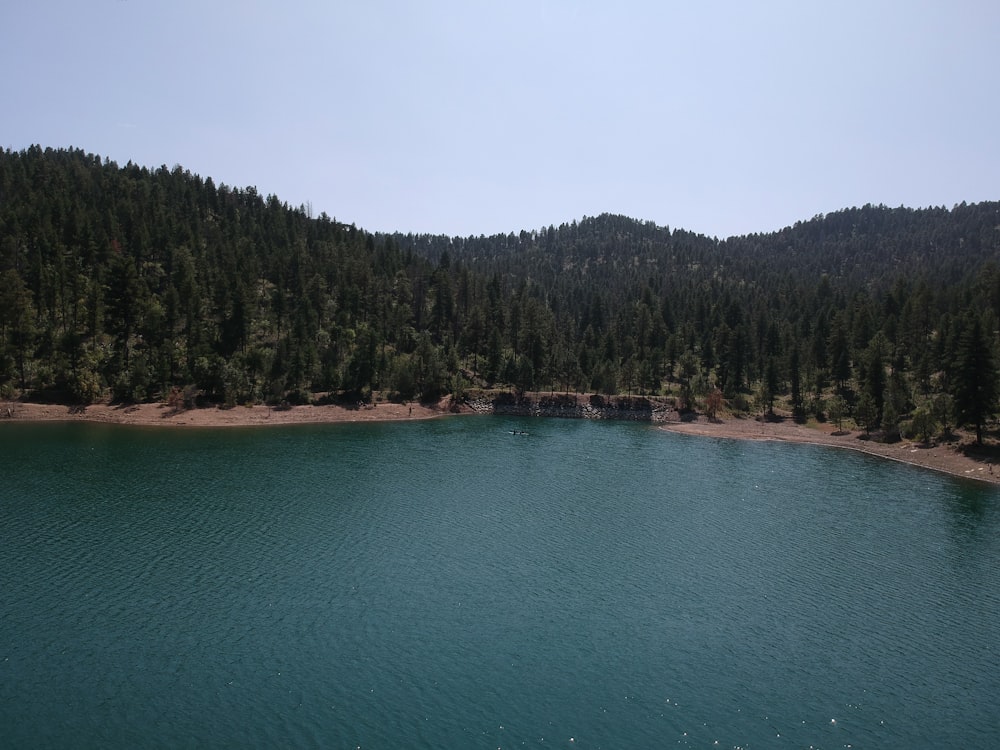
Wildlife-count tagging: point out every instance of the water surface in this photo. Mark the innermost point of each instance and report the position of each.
(448, 584)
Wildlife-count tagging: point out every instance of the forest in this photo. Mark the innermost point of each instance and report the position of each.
(132, 284)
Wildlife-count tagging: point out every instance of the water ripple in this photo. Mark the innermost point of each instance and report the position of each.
(447, 585)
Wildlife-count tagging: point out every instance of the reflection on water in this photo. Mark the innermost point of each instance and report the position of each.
(968, 503)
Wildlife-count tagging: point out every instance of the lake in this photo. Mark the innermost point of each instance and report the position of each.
(449, 584)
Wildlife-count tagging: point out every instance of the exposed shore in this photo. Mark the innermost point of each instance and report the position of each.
(161, 415)
(957, 458)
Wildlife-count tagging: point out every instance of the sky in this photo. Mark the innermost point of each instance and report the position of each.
(467, 118)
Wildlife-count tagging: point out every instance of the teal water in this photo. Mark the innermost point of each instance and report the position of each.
(447, 584)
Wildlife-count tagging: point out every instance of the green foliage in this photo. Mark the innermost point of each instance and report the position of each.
(975, 378)
(923, 425)
(837, 408)
(85, 386)
(890, 422)
(943, 410)
(137, 283)
(866, 414)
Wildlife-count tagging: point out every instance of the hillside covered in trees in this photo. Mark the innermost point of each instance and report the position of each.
(134, 284)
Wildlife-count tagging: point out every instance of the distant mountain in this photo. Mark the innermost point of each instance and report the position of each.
(136, 284)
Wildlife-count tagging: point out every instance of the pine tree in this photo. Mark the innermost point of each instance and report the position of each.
(874, 374)
(795, 376)
(974, 381)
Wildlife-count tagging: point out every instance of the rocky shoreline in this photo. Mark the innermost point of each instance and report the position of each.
(574, 406)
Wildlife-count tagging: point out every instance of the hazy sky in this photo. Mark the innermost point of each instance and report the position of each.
(471, 117)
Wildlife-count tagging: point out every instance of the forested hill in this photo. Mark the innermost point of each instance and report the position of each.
(871, 247)
(135, 284)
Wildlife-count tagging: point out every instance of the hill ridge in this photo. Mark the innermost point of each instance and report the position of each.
(136, 284)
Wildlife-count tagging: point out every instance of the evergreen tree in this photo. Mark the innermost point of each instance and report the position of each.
(795, 376)
(840, 355)
(866, 413)
(974, 379)
(146, 283)
(874, 381)
(837, 409)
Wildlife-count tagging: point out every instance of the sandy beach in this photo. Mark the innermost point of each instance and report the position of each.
(958, 458)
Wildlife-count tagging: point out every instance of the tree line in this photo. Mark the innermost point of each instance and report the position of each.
(140, 284)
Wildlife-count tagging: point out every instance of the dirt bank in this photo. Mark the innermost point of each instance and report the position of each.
(958, 457)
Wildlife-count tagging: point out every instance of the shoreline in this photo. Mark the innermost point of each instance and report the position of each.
(161, 415)
(948, 458)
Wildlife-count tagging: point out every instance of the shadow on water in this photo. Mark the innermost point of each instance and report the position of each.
(971, 509)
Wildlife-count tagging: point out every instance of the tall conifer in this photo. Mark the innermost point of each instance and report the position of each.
(975, 379)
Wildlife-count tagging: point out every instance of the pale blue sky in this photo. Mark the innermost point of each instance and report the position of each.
(470, 117)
